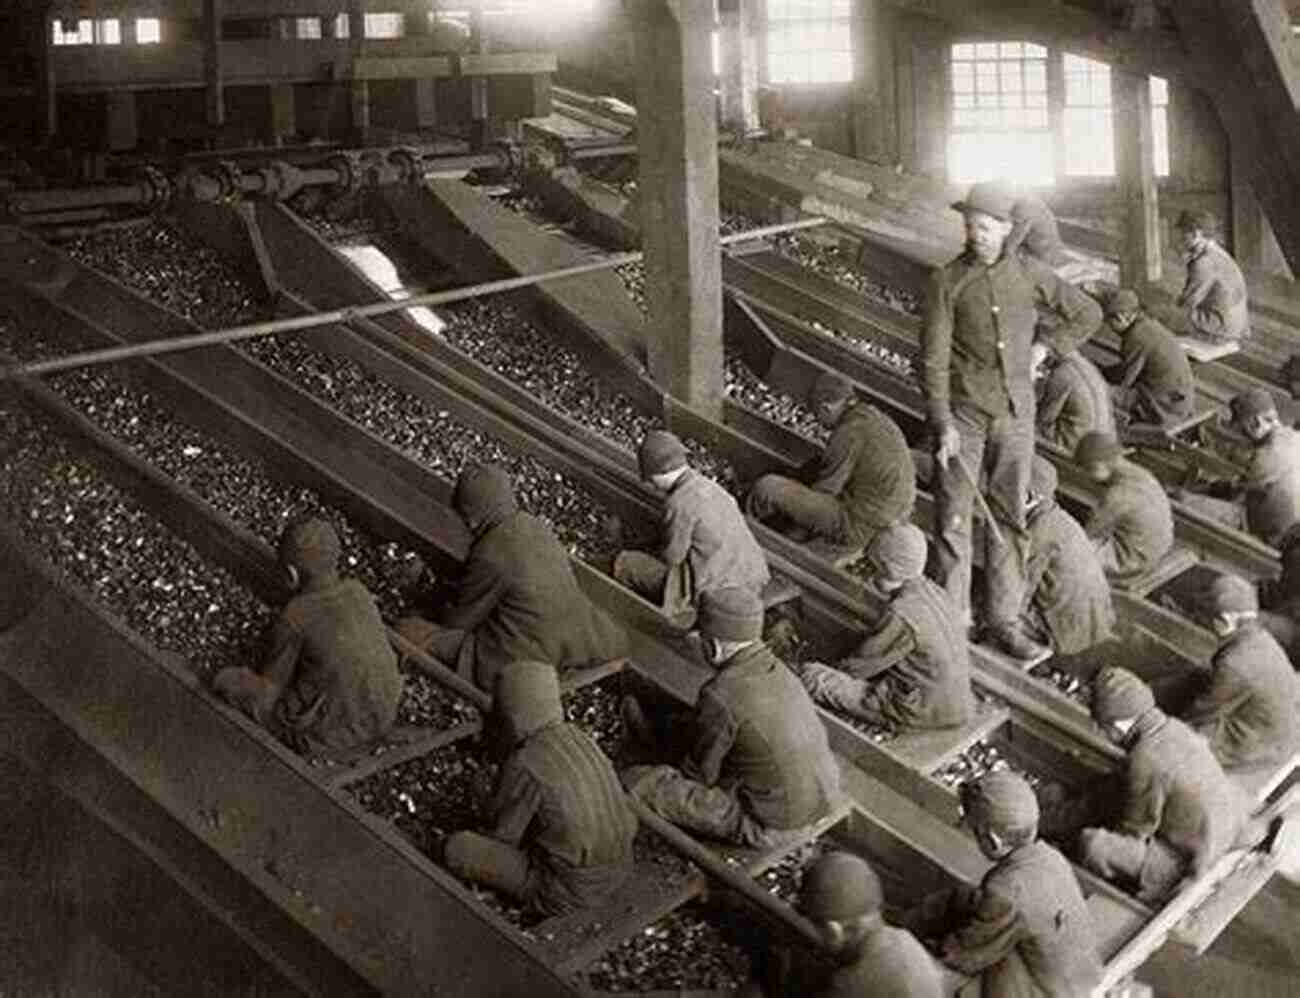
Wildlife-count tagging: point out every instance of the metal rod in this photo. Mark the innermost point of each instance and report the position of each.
(741, 883)
(439, 672)
(152, 348)
(979, 498)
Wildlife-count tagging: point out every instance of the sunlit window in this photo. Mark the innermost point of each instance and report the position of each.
(384, 25)
(148, 30)
(307, 27)
(342, 26)
(1160, 123)
(1089, 121)
(108, 31)
(809, 41)
(70, 32)
(999, 114)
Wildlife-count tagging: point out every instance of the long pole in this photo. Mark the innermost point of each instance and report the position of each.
(216, 337)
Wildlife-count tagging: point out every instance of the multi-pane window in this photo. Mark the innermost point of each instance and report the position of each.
(999, 118)
(307, 27)
(70, 32)
(1089, 127)
(384, 25)
(148, 31)
(809, 41)
(1160, 124)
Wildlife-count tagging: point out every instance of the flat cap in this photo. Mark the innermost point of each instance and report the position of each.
(482, 490)
(731, 614)
(1251, 403)
(1097, 447)
(660, 452)
(830, 386)
(1199, 219)
(838, 887)
(1002, 799)
(1233, 594)
(899, 551)
(990, 197)
(1118, 695)
(1123, 301)
(310, 545)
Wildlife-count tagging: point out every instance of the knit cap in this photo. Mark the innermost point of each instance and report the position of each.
(991, 197)
(1123, 301)
(1200, 219)
(1042, 477)
(311, 546)
(528, 697)
(899, 551)
(1233, 594)
(830, 387)
(1255, 402)
(839, 887)
(1003, 800)
(660, 452)
(732, 614)
(1118, 695)
(482, 490)
(1097, 448)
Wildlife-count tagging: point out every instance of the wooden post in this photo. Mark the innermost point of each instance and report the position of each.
(1056, 109)
(1247, 216)
(212, 76)
(875, 112)
(1140, 258)
(47, 98)
(478, 85)
(739, 65)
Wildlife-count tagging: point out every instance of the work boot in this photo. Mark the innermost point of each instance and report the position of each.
(1012, 639)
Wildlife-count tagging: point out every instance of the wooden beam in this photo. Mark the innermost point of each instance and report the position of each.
(1140, 255)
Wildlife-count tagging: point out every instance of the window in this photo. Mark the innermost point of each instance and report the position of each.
(1160, 123)
(148, 30)
(999, 114)
(108, 31)
(383, 25)
(307, 27)
(809, 41)
(1089, 127)
(70, 32)
(341, 26)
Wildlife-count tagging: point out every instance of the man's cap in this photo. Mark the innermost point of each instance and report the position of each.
(1123, 301)
(1197, 218)
(899, 551)
(991, 197)
(310, 545)
(1251, 403)
(528, 696)
(660, 453)
(1233, 594)
(1118, 695)
(1097, 447)
(839, 887)
(731, 614)
(482, 490)
(1003, 800)
(830, 387)
(1042, 477)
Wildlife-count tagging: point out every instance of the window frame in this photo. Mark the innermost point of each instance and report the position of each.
(836, 23)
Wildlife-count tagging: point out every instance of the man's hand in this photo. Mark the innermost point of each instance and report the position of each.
(949, 445)
(1038, 354)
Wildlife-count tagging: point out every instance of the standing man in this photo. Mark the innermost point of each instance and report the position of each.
(978, 384)
(865, 481)
(707, 544)
(1213, 299)
(1153, 376)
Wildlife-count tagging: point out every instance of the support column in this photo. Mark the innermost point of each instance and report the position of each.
(284, 114)
(120, 120)
(47, 98)
(1140, 258)
(1247, 216)
(478, 85)
(678, 187)
(1056, 109)
(212, 75)
(358, 90)
(426, 103)
(875, 111)
(738, 49)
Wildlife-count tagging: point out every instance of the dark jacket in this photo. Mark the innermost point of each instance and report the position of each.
(921, 643)
(1029, 932)
(889, 963)
(1064, 581)
(1176, 791)
(868, 465)
(972, 356)
(1214, 295)
(1248, 713)
(336, 669)
(559, 799)
(758, 731)
(1156, 370)
(518, 599)
(1073, 401)
(1134, 513)
(707, 543)
(1272, 485)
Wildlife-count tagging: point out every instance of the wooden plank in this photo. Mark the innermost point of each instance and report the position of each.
(1177, 561)
(926, 751)
(1203, 352)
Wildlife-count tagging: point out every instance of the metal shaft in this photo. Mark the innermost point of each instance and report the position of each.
(153, 348)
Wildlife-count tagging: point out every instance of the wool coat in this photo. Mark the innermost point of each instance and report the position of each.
(1272, 485)
(868, 465)
(1134, 514)
(888, 963)
(1214, 294)
(1065, 583)
(1073, 401)
(1155, 369)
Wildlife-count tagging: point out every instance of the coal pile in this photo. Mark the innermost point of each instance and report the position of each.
(748, 389)
(426, 703)
(873, 351)
(595, 709)
(111, 547)
(681, 951)
(161, 262)
(1078, 690)
(977, 761)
